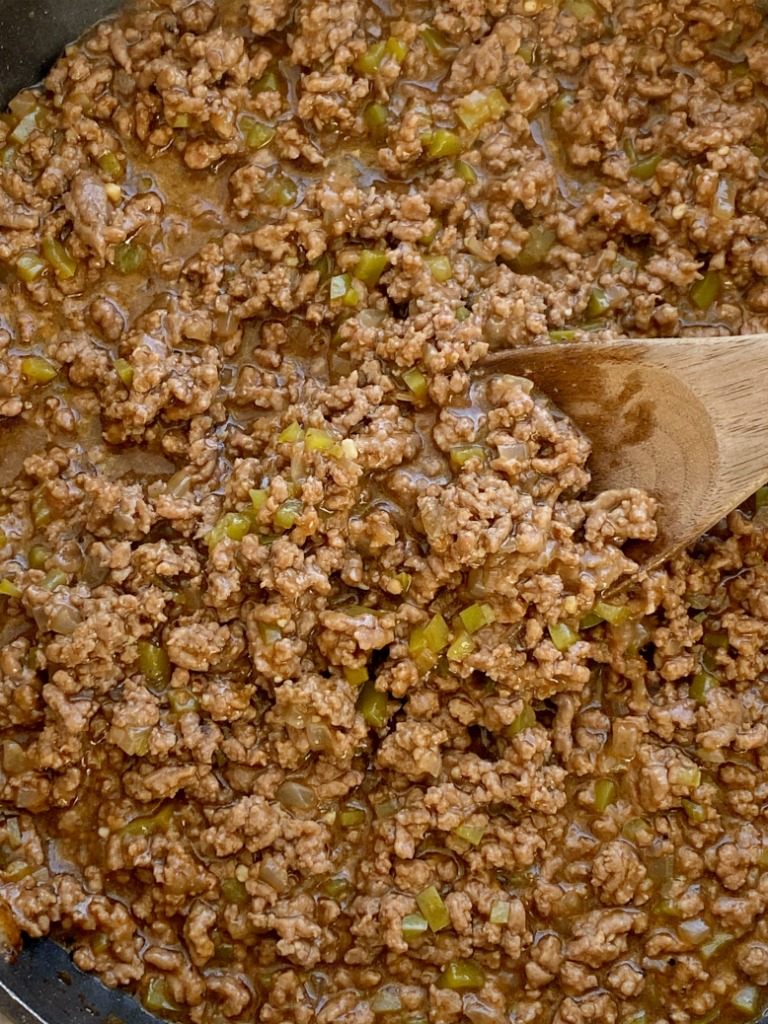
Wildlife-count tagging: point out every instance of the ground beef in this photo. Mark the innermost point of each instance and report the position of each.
(310, 708)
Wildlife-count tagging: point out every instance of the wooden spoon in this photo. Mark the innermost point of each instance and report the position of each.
(685, 419)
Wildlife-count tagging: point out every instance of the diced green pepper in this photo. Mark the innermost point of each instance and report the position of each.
(645, 168)
(280, 190)
(154, 663)
(694, 812)
(465, 171)
(25, 127)
(613, 613)
(38, 369)
(404, 579)
(269, 82)
(352, 817)
(581, 10)
(9, 589)
(376, 116)
(440, 266)
(590, 620)
(462, 976)
(434, 910)
(704, 292)
(370, 266)
(702, 684)
(318, 440)
(336, 887)
(476, 616)
(63, 265)
(472, 834)
(29, 266)
(129, 257)
(525, 719)
(286, 515)
(462, 453)
(373, 705)
(461, 647)
(133, 740)
(258, 498)
(416, 382)
(38, 556)
(256, 134)
(386, 809)
(429, 640)
(443, 142)
(370, 62)
(605, 794)
(356, 676)
(293, 433)
(234, 891)
(110, 164)
(41, 510)
(436, 43)
(397, 49)
(234, 525)
(124, 371)
(414, 926)
(53, 580)
(538, 244)
(480, 107)
(599, 303)
(158, 999)
(562, 636)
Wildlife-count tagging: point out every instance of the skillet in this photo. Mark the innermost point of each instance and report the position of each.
(43, 986)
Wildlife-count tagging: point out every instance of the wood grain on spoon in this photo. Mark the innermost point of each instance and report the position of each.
(685, 419)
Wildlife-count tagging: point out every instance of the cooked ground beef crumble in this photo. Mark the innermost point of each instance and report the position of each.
(312, 708)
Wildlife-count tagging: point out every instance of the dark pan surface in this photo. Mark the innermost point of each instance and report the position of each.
(44, 987)
(34, 32)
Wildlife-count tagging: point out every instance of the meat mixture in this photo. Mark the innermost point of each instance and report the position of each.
(313, 706)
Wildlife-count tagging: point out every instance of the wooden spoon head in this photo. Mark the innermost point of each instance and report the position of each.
(647, 427)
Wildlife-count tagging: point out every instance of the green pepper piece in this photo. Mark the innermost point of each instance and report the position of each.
(63, 265)
(370, 62)
(414, 926)
(462, 976)
(440, 267)
(286, 515)
(562, 636)
(605, 794)
(645, 168)
(38, 369)
(443, 142)
(434, 910)
(29, 266)
(129, 257)
(704, 292)
(9, 589)
(702, 684)
(417, 383)
(370, 266)
(124, 371)
(472, 834)
(373, 705)
(599, 303)
(154, 663)
(525, 719)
